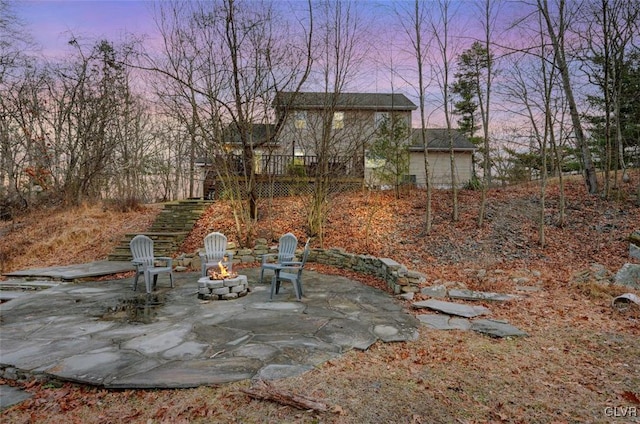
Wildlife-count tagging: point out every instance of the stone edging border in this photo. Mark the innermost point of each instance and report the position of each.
(399, 278)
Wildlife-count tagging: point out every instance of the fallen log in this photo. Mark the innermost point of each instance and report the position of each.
(266, 391)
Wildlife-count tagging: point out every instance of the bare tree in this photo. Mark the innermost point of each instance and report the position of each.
(17, 77)
(63, 124)
(557, 30)
(135, 135)
(340, 50)
(227, 60)
(88, 97)
(186, 71)
(441, 26)
(547, 83)
(612, 27)
(535, 92)
(490, 13)
(414, 22)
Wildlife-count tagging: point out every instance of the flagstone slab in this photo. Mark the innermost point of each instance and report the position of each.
(100, 366)
(71, 272)
(12, 395)
(451, 308)
(347, 333)
(465, 294)
(444, 322)
(160, 341)
(187, 374)
(89, 332)
(495, 328)
(396, 333)
(439, 291)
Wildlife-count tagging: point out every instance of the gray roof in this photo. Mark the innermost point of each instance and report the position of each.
(437, 140)
(344, 101)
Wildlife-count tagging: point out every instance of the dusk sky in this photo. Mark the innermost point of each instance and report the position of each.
(51, 23)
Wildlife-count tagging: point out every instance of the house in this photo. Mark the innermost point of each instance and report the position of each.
(438, 150)
(339, 127)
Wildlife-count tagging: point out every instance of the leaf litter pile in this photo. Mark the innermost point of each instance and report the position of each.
(580, 362)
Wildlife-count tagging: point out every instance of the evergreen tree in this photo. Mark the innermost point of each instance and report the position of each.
(472, 64)
(391, 149)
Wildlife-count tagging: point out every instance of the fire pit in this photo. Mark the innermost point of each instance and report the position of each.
(221, 272)
(222, 285)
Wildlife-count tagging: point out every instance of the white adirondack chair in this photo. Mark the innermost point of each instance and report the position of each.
(286, 252)
(215, 252)
(147, 264)
(291, 271)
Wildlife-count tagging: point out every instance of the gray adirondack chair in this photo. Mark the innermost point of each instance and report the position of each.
(286, 252)
(215, 252)
(147, 264)
(291, 271)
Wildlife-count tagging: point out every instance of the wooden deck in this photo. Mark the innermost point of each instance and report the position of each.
(286, 175)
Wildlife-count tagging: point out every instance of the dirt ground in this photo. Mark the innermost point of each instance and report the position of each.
(579, 364)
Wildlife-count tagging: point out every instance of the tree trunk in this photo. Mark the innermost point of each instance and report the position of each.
(558, 46)
(421, 88)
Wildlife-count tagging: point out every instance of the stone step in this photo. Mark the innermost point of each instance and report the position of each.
(179, 212)
(169, 230)
(182, 209)
(175, 221)
(185, 207)
(158, 245)
(113, 257)
(172, 227)
(168, 217)
(126, 257)
(27, 285)
(158, 236)
(126, 251)
(195, 201)
(178, 216)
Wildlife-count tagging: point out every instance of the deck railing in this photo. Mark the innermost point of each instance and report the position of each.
(297, 166)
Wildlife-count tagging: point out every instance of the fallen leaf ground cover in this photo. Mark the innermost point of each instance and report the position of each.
(580, 363)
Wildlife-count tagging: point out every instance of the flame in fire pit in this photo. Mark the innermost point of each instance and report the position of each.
(222, 274)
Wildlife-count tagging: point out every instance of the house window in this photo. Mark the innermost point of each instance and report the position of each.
(380, 117)
(300, 119)
(338, 120)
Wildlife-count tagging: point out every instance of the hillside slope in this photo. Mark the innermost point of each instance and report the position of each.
(580, 361)
(375, 223)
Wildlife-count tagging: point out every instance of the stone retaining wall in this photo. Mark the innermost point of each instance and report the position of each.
(399, 279)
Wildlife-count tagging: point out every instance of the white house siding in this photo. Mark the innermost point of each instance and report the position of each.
(440, 168)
